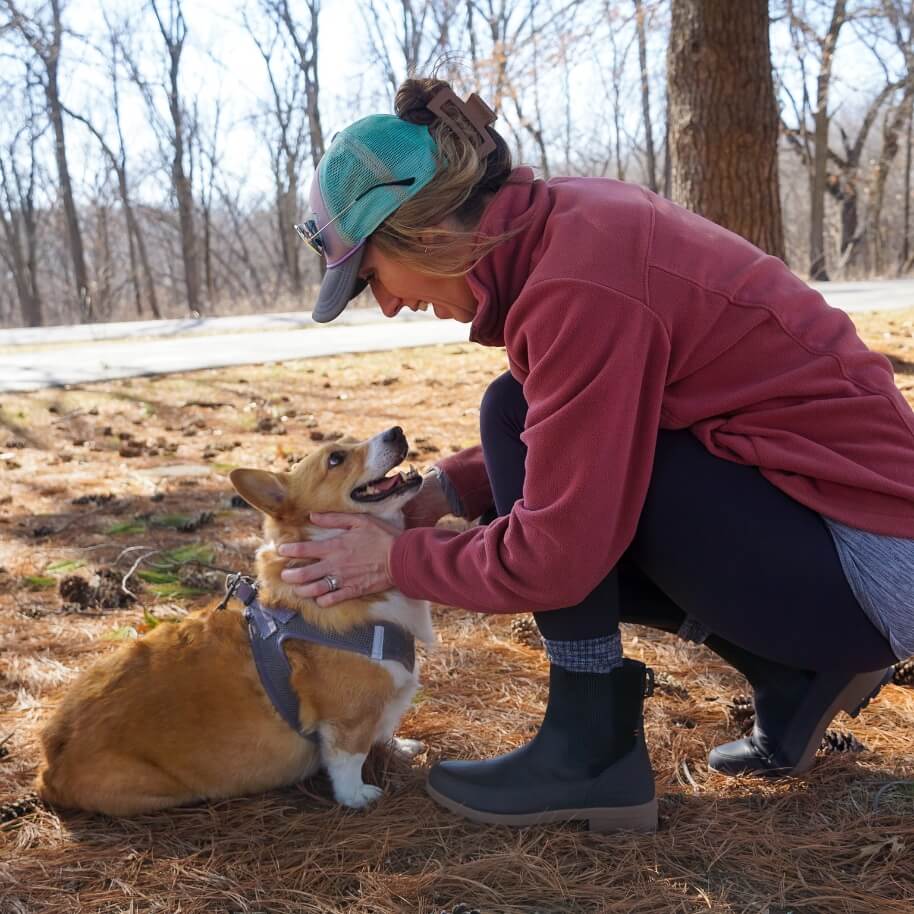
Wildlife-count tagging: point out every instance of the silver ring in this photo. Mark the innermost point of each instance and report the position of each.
(332, 582)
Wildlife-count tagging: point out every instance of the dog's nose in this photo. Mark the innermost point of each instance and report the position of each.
(394, 435)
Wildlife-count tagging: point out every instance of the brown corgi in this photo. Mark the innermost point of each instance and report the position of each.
(182, 714)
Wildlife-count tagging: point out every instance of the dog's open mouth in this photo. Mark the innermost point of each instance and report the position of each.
(387, 486)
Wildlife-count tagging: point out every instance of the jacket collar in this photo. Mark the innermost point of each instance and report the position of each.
(521, 205)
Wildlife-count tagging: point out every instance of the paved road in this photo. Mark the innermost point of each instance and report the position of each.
(80, 364)
(200, 326)
(55, 356)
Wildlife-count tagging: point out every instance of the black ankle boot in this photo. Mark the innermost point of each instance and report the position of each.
(588, 761)
(793, 708)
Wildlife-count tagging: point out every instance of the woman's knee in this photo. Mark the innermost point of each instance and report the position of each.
(503, 409)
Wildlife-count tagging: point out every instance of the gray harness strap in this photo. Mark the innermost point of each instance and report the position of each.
(269, 628)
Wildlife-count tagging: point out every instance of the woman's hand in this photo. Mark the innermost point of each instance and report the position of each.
(357, 558)
(429, 505)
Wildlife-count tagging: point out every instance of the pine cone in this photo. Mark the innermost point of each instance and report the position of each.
(841, 741)
(904, 672)
(19, 808)
(75, 589)
(108, 593)
(201, 578)
(524, 631)
(743, 713)
(191, 526)
(669, 685)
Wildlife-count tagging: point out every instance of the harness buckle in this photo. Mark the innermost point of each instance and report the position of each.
(235, 581)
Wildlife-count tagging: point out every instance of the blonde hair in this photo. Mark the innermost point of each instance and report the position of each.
(412, 234)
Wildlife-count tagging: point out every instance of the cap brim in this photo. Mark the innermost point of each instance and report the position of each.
(340, 285)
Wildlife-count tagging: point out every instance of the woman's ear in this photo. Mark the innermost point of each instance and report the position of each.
(265, 491)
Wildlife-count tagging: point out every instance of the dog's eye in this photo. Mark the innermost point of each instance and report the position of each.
(336, 458)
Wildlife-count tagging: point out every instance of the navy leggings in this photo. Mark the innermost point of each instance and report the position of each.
(716, 542)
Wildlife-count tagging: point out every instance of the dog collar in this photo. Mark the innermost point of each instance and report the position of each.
(270, 627)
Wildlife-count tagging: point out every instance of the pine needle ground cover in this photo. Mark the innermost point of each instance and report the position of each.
(116, 516)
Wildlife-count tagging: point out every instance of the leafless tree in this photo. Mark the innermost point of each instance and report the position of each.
(45, 38)
(18, 220)
(809, 43)
(173, 29)
(117, 159)
(843, 169)
(305, 37)
(408, 36)
(288, 136)
(641, 16)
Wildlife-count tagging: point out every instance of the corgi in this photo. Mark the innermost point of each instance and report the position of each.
(182, 716)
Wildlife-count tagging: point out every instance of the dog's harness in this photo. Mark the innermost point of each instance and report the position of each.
(269, 627)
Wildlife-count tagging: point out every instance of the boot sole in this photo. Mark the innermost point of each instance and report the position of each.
(858, 693)
(641, 818)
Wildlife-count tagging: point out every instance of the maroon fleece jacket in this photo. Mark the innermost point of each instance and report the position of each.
(622, 314)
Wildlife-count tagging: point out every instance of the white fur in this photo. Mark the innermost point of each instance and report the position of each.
(409, 614)
(408, 748)
(345, 770)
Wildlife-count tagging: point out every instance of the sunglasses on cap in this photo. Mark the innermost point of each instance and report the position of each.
(310, 232)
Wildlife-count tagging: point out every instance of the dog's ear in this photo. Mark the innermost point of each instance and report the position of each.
(266, 491)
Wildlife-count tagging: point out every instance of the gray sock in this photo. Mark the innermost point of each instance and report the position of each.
(589, 655)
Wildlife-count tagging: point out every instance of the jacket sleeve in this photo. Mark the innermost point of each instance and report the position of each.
(597, 364)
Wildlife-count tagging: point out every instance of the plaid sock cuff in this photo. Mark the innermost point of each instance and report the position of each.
(693, 630)
(590, 655)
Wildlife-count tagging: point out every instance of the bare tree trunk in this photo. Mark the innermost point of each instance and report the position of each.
(46, 42)
(174, 35)
(723, 118)
(74, 233)
(307, 48)
(16, 218)
(134, 232)
(842, 185)
(104, 265)
(906, 230)
(287, 148)
(893, 124)
(646, 96)
(821, 121)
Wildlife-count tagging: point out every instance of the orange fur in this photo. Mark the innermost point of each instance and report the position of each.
(180, 715)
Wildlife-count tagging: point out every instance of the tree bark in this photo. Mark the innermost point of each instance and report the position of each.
(893, 125)
(822, 120)
(906, 229)
(646, 97)
(723, 118)
(16, 218)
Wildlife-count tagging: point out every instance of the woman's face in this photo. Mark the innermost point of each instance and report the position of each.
(396, 286)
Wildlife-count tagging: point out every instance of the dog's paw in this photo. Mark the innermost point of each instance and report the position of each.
(360, 797)
(408, 748)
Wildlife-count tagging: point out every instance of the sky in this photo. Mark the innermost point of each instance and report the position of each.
(221, 62)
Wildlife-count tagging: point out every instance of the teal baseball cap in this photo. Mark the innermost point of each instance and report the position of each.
(371, 168)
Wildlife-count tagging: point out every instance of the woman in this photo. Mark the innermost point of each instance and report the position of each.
(688, 438)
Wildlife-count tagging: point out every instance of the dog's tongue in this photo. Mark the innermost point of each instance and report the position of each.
(387, 483)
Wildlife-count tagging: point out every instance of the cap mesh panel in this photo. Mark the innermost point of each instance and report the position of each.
(372, 151)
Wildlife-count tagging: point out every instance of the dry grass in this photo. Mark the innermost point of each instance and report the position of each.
(830, 842)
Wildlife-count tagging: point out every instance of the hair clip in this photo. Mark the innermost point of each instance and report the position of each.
(469, 118)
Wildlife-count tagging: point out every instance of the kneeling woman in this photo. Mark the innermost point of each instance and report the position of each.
(688, 438)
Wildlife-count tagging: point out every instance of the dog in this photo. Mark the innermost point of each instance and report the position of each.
(181, 715)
